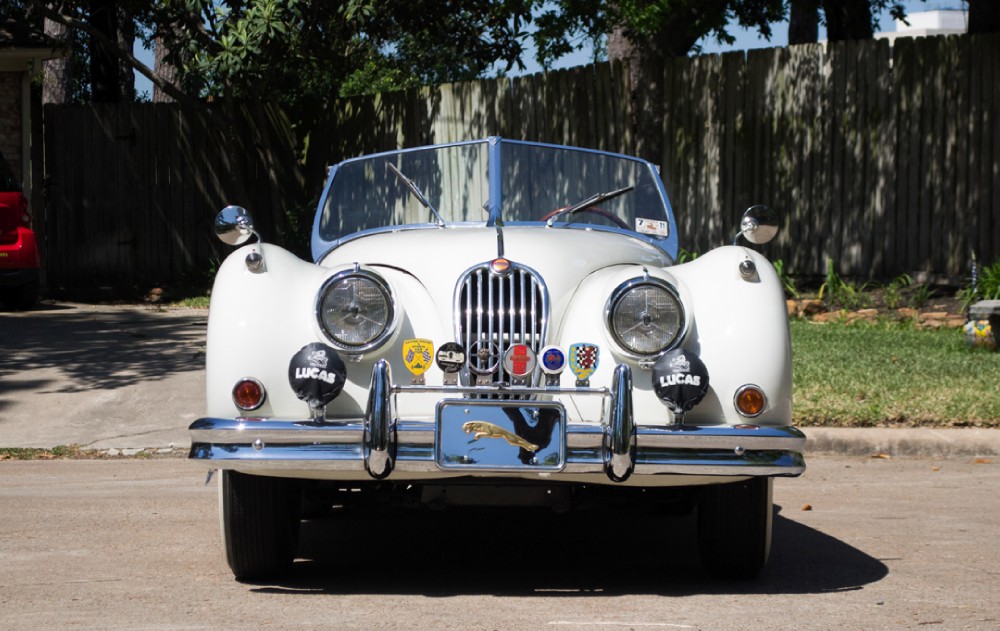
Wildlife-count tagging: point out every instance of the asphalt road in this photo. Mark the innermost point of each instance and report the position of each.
(134, 544)
(886, 542)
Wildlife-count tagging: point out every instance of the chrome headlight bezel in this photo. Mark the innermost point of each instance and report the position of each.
(387, 327)
(615, 300)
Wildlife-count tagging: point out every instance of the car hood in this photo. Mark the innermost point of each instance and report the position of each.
(437, 257)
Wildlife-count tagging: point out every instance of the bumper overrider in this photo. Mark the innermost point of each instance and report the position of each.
(497, 436)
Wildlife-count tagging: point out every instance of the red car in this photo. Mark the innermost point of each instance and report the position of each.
(19, 260)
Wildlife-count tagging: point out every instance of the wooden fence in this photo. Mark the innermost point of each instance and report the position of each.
(131, 191)
(883, 160)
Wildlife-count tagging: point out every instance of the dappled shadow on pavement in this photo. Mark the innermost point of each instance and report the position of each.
(105, 348)
(526, 553)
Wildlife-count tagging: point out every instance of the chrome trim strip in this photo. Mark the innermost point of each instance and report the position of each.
(336, 446)
(499, 389)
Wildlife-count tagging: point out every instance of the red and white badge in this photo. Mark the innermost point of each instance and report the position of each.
(519, 360)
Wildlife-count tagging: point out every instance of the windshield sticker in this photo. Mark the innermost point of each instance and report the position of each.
(655, 227)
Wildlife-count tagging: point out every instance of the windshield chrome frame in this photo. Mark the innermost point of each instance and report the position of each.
(494, 205)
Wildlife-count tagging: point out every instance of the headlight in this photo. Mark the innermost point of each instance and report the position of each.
(645, 316)
(355, 310)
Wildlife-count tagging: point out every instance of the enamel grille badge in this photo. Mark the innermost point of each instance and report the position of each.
(417, 357)
(450, 358)
(519, 362)
(583, 360)
(553, 363)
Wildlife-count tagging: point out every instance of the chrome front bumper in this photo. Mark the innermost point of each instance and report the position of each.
(381, 444)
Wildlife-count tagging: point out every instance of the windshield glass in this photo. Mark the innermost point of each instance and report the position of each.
(539, 181)
(534, 183)
(367, 194)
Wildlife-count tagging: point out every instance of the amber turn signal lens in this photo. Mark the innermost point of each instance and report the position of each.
(248, 394)
(750, 401)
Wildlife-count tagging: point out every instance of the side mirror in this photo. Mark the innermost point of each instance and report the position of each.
(234, 225)
(759, 225)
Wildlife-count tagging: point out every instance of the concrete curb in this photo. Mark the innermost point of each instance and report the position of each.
(924, 442)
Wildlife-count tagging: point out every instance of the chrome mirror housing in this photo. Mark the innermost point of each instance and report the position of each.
(234, 225)
(759, 225)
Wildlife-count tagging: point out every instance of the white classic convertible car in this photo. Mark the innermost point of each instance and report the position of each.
(496, 323)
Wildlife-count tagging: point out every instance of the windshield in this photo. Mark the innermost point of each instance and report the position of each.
(490, 180)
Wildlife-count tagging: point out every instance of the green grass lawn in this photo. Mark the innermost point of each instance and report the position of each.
(891, 374)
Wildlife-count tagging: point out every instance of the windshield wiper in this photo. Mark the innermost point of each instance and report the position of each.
(593, 200)
(411, 185)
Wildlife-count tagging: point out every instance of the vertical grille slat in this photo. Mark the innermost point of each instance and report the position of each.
(497, 311)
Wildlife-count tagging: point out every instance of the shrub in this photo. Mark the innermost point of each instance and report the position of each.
(987, 286)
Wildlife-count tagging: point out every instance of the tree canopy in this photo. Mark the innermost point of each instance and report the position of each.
(301, 53)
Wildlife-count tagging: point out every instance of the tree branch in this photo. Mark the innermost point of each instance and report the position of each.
(77, 24)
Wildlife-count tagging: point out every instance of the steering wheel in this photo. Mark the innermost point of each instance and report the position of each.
(597, 210)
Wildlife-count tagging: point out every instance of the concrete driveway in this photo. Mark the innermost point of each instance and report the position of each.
(102, 377)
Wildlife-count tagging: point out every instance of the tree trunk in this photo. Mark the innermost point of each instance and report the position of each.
(848, 19)
(646, 55)
(645, 72)
(984, 16)
(57, 82)
(163, 69)
(104, 70)
(803, 22)
(126, 41)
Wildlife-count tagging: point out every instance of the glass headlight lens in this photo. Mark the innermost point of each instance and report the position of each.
(355, 310)
(645, 317)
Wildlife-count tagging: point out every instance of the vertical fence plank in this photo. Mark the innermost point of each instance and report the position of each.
(990, 244)
(883, 138)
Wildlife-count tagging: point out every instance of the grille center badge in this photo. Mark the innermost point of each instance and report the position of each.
(484, 360)
(500, 266)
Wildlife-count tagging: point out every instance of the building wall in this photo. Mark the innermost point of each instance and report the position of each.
(10, 119)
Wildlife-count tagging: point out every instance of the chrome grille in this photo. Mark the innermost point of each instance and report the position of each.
(495, 311)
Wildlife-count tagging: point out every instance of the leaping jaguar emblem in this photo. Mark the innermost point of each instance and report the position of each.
(483, 429)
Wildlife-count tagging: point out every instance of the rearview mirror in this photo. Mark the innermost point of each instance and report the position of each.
(234, 225)
(759, 225)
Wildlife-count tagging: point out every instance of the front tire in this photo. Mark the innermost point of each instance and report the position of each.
(260, 524)
(734, 527)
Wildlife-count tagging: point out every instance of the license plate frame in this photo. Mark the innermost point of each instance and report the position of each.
(490, 435)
